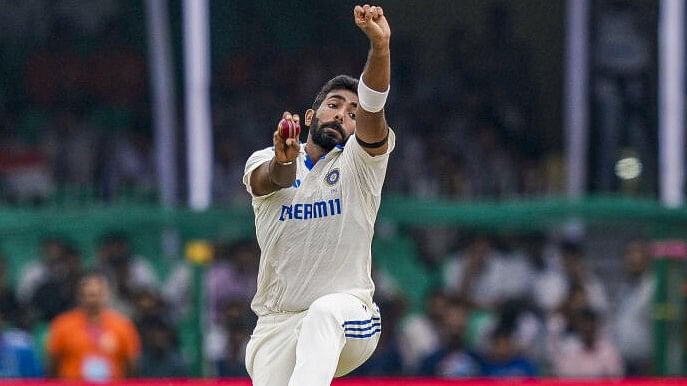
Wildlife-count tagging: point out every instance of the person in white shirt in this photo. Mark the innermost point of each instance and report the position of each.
(315, 206)
(484, 276)
(632, 315)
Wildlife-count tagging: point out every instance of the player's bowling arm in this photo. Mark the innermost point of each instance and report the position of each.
(371, 127)
(272, 176)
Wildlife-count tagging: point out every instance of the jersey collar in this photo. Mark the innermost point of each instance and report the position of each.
(309, 162)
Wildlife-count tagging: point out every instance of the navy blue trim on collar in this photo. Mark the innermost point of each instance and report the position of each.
(308, 162)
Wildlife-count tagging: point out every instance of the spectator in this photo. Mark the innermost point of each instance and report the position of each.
(130, 167)
(176, 290)
(525, 324)
(584, 352)
(576, 302)
(52, 251)
(452, 359)
(485, 277)
(232, 275)
(556, 286)
(503, 358)
(149, 306)
(57, 293)
(127, 272)
(18, 358)
(75, 153)
(226, 343)
(419, 333)
(92, 342)
(161, 357)
(632, 324)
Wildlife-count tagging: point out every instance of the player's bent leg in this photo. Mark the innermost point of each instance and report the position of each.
(361, 330)
(323, 341)
(271, 351)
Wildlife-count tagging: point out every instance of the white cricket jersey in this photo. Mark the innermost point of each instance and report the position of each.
(315, 237)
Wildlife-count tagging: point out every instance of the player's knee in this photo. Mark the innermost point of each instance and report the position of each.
(324, 307)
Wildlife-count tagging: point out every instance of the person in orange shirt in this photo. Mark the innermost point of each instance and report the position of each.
(92, 342)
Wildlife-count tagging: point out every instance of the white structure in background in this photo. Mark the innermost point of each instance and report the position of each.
(197, 101)
(163, 97)
(575, 98)
(671, 102)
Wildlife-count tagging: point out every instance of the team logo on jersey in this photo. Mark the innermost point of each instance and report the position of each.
(332, 177)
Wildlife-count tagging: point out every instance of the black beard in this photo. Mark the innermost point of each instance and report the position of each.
(324, 139)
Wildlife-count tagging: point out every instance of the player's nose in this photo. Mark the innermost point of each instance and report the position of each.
(339, 117)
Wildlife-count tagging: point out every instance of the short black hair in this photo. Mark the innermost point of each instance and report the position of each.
(339, 82)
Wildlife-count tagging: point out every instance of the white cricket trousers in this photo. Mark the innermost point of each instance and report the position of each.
(330, 339)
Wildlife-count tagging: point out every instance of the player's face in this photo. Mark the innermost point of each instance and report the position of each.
(334, 120)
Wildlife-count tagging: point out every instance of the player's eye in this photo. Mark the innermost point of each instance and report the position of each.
(331, 105)
(352, 115)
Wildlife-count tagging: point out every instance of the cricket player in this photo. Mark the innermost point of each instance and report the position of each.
(315, 207)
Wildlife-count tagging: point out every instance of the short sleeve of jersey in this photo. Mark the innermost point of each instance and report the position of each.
(371, 170)
(254, 161)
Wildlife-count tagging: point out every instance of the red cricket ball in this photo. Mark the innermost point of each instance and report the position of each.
(289, 129)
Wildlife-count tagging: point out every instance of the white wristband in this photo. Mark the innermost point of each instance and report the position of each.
(369, 99)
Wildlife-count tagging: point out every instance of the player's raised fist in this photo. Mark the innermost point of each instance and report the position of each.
(370, 19)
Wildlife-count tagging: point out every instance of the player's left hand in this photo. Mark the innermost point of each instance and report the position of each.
(370, 19)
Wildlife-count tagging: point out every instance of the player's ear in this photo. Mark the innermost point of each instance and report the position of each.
(308, 116)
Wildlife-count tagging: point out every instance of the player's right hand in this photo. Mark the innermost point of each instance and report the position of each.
(371, 20)
(286, 149)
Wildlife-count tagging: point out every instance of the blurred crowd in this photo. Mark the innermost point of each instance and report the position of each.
(500, 307)
(76, 119)
(106, 320)
(522, 307)
(75, 124)
(79, 123)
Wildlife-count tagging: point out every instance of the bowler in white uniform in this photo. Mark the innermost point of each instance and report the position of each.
(315, 207)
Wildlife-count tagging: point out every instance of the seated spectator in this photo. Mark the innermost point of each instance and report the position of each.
(161, 357)
(484, 276)
(633, 324)
(149, 305)
(92, 342)
(503, 358)
(584, 352)
(176, 289)
(452, 359)
(556, 285)
(127, 272)
(526, 325)
(18, 359)
(233, 274)
(419, 333)
(57, 293)
(226, 342)
(36, 272)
